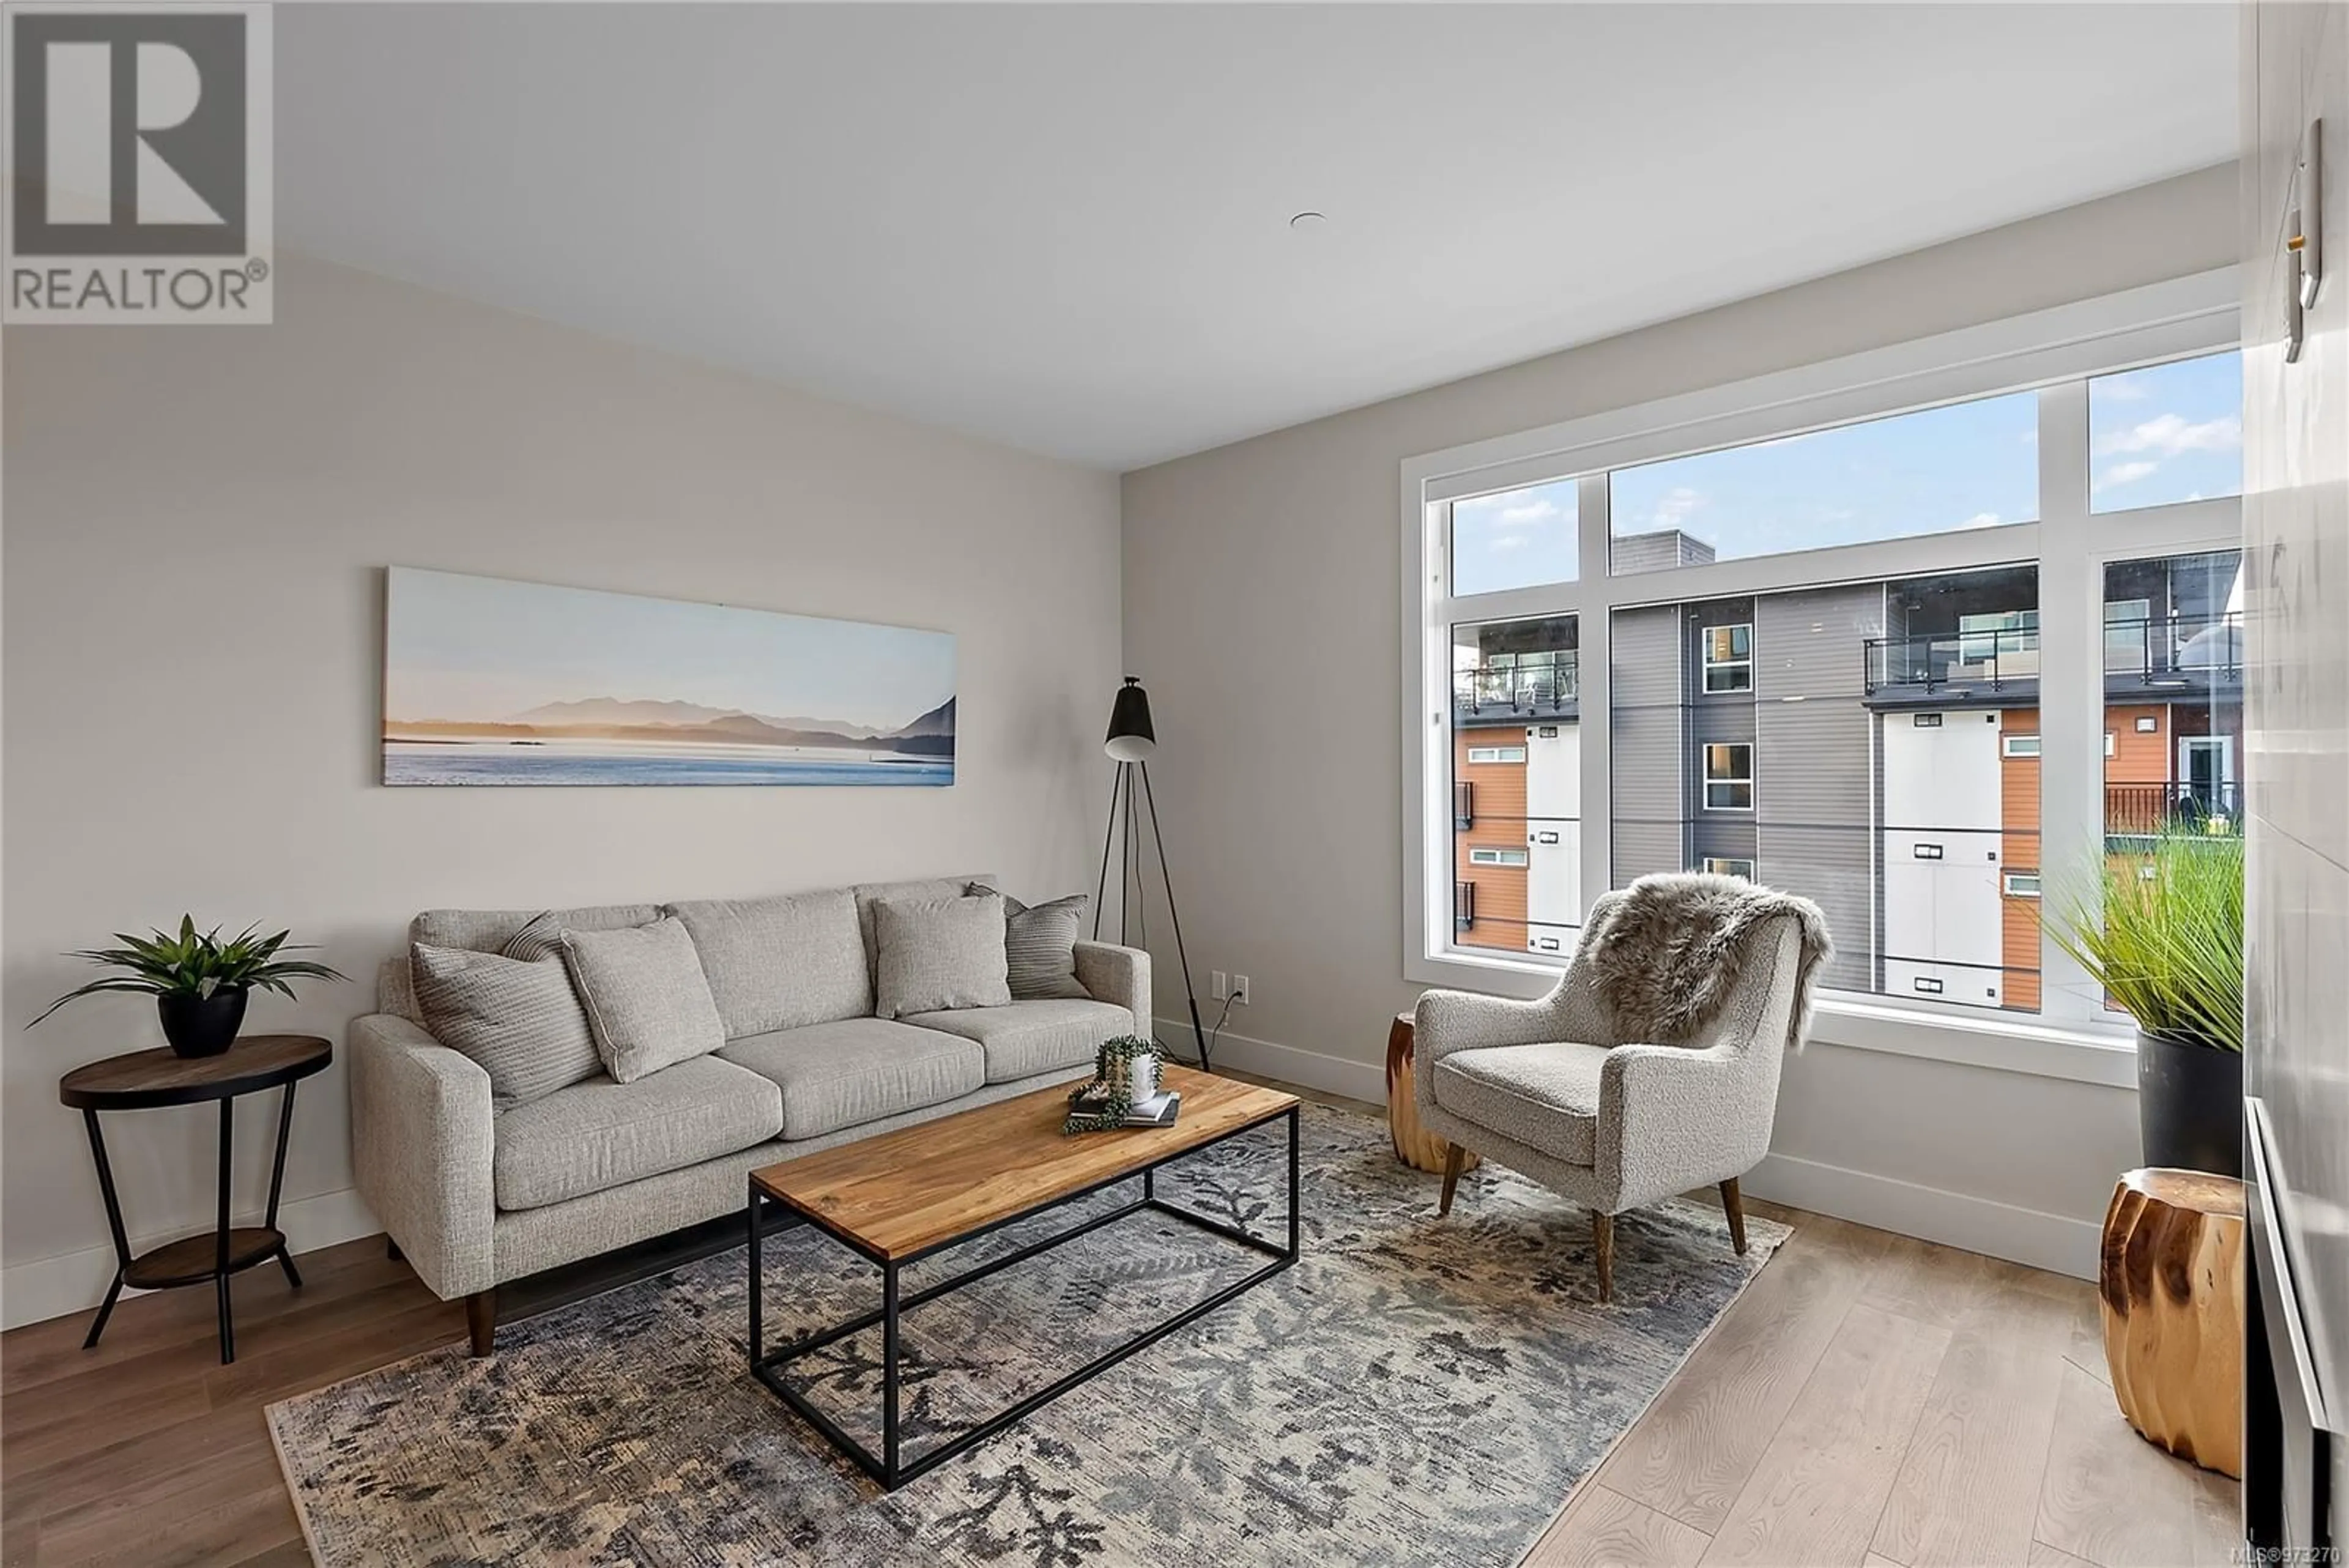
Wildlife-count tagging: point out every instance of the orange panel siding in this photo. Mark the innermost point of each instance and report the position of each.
(1500, 824)
(2139, 758)
(2018, 788)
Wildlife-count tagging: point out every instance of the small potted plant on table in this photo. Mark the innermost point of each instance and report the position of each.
(200, 982)
(2161, 931)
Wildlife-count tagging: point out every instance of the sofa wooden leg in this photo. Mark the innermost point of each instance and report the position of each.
(1602, 1238)
(1733, 1203)
(391, 1250)
(481, 1320)
(1453, 1157)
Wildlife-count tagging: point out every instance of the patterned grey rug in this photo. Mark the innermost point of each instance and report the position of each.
(1413, 1391)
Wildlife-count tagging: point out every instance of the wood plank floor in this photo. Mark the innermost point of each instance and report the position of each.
(1869, 1400)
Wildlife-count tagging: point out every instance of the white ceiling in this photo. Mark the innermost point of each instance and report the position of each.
(1066, 227)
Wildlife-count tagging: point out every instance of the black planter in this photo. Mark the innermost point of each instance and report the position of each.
(2189, 1105)
(202, 1025)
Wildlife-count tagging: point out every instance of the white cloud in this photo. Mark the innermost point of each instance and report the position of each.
(1981, 520)
(1673, 509)
(2124, 473)
(2168, 435)
(1528, 515)
(2122, 389)
(2030, 436)
(1506, 542)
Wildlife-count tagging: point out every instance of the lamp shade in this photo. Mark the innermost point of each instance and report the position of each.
(1130, 739)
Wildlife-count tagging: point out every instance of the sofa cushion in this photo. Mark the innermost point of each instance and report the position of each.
(778, 963)
(601, 1134)
(856, 1070)
(489, 930)
(1030, 1037)
(646, 999)
(1544, 1097)
(939, 953)
(520, 1020)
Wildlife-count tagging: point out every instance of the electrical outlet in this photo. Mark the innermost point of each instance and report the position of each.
(1240, 989)
(1219, 987)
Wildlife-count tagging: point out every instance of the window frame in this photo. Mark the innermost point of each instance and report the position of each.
(1499, 757)
(1729, 780)
(2053, 352)
(1711, 664)
(1719, 866)
(1524, 860)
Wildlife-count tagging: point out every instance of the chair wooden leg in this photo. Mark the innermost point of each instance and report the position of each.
(1733, 1203)
(1603, 1239)
(1453, 1157)
(481, 1320)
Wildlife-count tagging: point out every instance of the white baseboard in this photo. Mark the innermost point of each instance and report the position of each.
(2056, 1242)
(1331, 1075)
(76, 1281)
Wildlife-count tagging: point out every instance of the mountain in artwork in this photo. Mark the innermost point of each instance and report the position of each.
(644, 718)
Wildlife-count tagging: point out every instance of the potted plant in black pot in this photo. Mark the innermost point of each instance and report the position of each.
(200, 982)
(2164, 936)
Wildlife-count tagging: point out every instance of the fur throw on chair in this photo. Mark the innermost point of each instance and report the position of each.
(1667, 954)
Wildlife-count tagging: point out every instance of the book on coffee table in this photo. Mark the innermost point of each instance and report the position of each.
(1158, 1111)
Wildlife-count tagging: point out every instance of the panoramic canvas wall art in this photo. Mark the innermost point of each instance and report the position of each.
(488, 682)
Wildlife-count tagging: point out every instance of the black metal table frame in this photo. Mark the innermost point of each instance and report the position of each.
(224, 1267)
(891, 1468)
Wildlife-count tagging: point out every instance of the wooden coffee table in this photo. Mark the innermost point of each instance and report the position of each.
(902, 1196)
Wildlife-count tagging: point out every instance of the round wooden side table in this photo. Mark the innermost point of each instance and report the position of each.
(1414, 1144)
(146, 1079)
(2171, 1285)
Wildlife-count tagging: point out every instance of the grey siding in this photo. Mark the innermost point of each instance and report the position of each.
(1649, 788)
(1814, 777)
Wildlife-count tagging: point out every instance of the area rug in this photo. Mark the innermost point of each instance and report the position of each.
(1414, 1391)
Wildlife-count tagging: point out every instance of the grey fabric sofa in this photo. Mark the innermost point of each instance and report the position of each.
(1555, 1088)
(474, 1197)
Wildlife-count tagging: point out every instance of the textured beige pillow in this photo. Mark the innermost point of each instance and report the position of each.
(937, 954)
(519, 1020)
(647, 1001)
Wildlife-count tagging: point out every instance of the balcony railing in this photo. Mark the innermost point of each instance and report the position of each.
(1941, 658)
(1463, 804)
(1531, 684)
(2143, 811)
(2175, 651)
(1463, 905)
(2166, 650)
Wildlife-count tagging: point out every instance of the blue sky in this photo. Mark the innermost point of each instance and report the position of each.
(474, 649)
(2167, 434)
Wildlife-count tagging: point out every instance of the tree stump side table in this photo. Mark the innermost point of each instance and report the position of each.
(146, 1079)
(2171, 1280)
(1414, 1144)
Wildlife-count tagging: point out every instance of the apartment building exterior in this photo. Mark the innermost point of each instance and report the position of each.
(1873, 746)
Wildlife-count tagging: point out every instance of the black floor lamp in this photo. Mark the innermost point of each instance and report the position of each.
(1131, 741)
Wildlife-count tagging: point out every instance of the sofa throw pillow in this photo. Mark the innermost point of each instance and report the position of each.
(781, 963)
(937, 954)
(648, 1004)
(519, 1020)
(1039, 945)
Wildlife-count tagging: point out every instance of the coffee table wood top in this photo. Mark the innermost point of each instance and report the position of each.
(921, 1187)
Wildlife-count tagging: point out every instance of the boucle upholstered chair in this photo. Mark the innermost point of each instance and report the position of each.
(1554, 1090)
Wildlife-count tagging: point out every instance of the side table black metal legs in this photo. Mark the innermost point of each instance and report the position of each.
(231, 1249)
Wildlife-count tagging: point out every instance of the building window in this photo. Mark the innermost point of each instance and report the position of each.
(1496, 754)
(1486, 857)
(1729, 866)
(1729, 777)
(1880, 525)
(1728, 659)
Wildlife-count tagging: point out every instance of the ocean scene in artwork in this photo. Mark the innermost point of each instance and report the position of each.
(488, 682)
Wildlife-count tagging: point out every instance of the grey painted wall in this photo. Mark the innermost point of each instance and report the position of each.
(198, 521)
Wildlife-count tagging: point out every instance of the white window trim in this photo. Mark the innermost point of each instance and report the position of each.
(2019, 746)
(1500, 857)
(2008, 881)
(1709, 663)
(2053, 350)
(1716, 865)
(1499, 756)
(1752, 796)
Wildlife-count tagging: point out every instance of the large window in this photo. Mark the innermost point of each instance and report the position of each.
(1840, 632)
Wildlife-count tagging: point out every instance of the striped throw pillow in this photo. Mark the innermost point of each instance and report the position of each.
(1039, 945)
(520, 1020)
